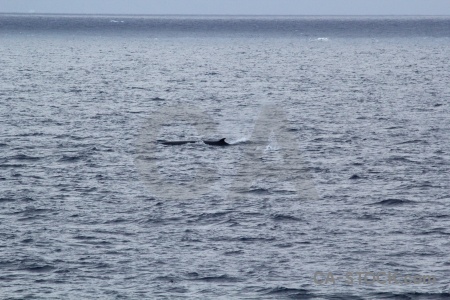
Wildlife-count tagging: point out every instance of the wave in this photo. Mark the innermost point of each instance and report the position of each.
(25, 157)
(413, 295)
(293, 293)
(66, 158)
(219, 278)
(393, 202)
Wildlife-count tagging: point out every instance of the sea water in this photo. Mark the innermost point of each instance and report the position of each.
(335, 185)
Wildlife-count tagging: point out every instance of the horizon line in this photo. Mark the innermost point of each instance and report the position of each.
(225, 15)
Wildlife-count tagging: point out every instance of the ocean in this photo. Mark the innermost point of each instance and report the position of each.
(335, 184)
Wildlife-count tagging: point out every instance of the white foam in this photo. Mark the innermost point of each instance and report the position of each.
(239, 141)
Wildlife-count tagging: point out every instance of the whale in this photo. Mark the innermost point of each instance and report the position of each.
(220, 142)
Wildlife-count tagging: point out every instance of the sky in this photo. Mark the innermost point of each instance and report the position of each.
(231, 7)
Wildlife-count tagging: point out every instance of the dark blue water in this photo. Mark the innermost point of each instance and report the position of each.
(337, 26)
(339, 163)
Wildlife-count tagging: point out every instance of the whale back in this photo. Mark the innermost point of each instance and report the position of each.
(220, 142)
(173, 143)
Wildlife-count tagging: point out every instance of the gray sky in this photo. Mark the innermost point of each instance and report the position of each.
(251, 7)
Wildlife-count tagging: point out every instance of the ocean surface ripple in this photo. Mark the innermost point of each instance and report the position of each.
(91, 208)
